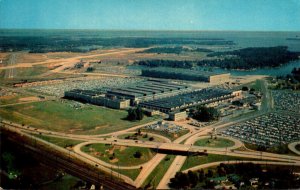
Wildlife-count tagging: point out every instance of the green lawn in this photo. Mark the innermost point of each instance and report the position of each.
(63, 117)
(59, 141)
(157, 174)
(124, 156)
(279, 149)
(214, 143)
(13, 98)
(166, 134)
(192, 161)
(141, 137)
(31, 71)
(129, 173)
(65, 183)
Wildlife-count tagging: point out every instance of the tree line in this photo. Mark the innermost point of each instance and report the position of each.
(277, 177)
(78, 43)
(247, 58)
(175, 50)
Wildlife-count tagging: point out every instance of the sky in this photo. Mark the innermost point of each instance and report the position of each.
(245, 15)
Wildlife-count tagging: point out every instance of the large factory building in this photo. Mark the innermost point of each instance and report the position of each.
(157, 95)
(149, 90)
(120, 98)
(184, 74)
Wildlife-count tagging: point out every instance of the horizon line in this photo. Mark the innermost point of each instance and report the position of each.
(152, 30)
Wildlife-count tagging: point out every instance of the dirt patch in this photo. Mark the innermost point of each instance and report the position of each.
(122, 148)
(30, 98)
(28, 107)
(31, 58)
(100, 127)
(111, 150)
(74, 130)
(7, 97)
(114, 160)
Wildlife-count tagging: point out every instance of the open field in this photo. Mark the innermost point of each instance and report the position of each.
(65, 183)
(9, 97)
(142, 137)
(119, 155)
(31, 71)
(215, 143)
(192, 161)
(157, 174)
(59, 141)
(66, 117)
(132, 173)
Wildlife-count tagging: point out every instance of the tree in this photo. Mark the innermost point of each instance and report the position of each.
(210, 173)
(131, 115)
(252, 90)
(245, 88)
(90, 69)
(137, 154)
(139, 113)
(135, 114)
(181, 180)
(201, 175)
(193, 178)
(139, 133)
(206, 114)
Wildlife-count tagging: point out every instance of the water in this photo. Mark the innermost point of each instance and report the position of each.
(277, 71)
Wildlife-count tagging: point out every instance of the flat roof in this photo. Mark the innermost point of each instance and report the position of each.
(124, 93)
(141, 90)
(170, 84)
(154, 88)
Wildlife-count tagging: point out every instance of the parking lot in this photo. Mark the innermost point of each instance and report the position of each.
(267, 130)
(59, 89)
(287, 100)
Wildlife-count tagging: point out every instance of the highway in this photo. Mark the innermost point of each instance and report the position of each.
(150, 166)
(67, 160)
(167, 145)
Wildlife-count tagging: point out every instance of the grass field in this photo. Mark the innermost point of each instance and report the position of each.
(133, 173)
(65, 183)
(10, 99)
(62, 117)
(59, 141)
(166, 134)
(277, 149)
(157, 174)
(192, 161)
(124, 156)
(141, 137)
(214, 143)
(31, 71)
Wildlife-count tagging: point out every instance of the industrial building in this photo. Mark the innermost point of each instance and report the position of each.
(185, 74)
(149, 90)
(156, 95)
(120, 98)
(190, 99)
(177, 116)
(97, 98)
